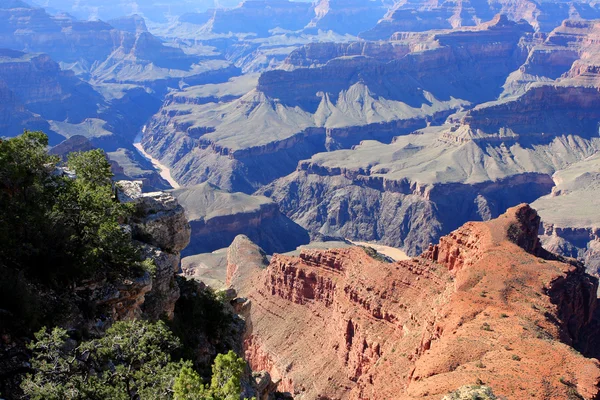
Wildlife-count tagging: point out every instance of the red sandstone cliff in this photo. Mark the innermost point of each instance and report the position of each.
(482, 306)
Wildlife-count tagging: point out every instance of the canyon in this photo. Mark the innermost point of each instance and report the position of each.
(310, 122)
(332, 106)
(414, 15)
(351, 176)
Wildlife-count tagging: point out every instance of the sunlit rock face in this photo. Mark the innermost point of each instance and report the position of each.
(424, 327)
(161, 225)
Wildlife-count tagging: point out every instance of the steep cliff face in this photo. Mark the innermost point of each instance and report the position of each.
(410, 192)
(553, 93)
(572, 108)
(396, 213)
(318, 54)
(570, 221)
(480, 306)
(162, 227)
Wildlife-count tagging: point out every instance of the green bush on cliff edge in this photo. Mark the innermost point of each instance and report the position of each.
(56, 230)
(133, 360)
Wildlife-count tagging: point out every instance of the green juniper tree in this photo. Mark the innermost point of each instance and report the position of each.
(132, 361)
(225, 384)
(57, 230)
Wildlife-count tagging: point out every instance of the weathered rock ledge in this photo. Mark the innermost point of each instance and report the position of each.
(161, 226)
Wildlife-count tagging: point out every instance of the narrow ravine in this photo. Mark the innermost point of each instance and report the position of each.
(163, 170)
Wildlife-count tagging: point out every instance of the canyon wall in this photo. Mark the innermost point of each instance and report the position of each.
(328, 97)
(482, 306)
(161, 227)
(398, 213)
(216, 217)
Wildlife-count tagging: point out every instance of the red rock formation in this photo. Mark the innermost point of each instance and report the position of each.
(478, 307)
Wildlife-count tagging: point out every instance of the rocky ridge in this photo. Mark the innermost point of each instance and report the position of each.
(264, 17)
(485, 305)
(161, 227)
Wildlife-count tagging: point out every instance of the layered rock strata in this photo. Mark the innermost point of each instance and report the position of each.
(553, 93)
(482, 306)
(571, 226)
(330, 97)
(422, 186)
(414, 15)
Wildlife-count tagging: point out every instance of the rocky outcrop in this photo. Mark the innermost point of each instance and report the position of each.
(161, 230)
(243, 258)
(216, 217)
(161, 224)
(489, 311)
